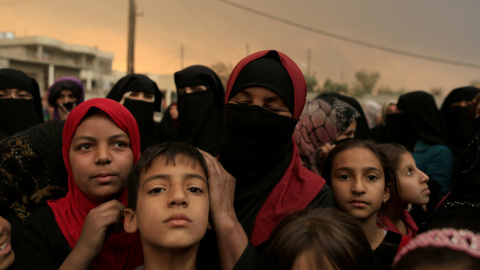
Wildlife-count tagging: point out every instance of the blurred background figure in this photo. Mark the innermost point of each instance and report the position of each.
(419, 126)
(456, 113)
(141, 96)
(324, 121)
(362, 131)
(20, 102)
(461, 208)
(373, 113)
(201, 97)
(64, 94)
(169, 124)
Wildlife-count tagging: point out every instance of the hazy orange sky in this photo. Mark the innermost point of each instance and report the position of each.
(216, 31)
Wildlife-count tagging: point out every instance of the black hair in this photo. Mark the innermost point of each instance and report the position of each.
(331, 238)
(356, 143)
(169, 151)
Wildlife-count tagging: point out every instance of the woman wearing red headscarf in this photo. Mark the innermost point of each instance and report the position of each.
(263, 180)
(83, 230)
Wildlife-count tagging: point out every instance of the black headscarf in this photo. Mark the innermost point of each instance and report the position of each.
(141, 110)
(200, 114)
(461, 208)
(32, 169)
(421, 111)
(362, 132)
(168, 126)
(19, 114)
(258, 144)
(460, 124)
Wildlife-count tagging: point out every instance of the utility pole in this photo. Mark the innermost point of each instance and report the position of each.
(309, 56)
(131, 36)
(181, 56)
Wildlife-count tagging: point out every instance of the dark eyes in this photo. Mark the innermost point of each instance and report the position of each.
(372, 177)
(195, 190)
(156, 190)
(120, 144)
(84, 146)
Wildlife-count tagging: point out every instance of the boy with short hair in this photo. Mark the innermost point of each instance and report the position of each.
(169, 205)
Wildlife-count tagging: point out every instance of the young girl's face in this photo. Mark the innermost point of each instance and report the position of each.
(100, 157)
(358, 183)
(6, 253)
(411, 181)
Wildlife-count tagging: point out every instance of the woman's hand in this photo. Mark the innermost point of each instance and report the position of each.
(221, 189)
(63, 112)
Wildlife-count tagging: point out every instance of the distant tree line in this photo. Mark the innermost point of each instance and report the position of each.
(364, 84)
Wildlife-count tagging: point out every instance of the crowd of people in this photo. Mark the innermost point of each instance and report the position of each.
(249, 175)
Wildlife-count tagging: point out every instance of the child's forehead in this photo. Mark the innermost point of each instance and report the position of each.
(180, 160)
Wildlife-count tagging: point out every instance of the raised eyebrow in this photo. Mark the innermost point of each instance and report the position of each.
(89, 138)
(343, 169)
(167, 177)
(155, 177)
(373, 169)
(194, 175)
(118, 136)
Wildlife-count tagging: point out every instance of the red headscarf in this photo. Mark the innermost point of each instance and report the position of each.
(298, 186)
(122, 250)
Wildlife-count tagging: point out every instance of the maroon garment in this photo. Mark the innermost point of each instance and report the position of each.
(298, 187)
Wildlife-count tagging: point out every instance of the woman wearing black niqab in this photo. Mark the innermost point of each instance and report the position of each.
(200, 108)
(266, 93)
(18, 113)
(141, 96)
(456, 114)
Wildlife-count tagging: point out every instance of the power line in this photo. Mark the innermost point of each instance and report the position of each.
(16, 2)
(354, 41)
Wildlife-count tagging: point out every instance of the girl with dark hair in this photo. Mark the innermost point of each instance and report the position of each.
(141, 96)
(358, 174)
(200, 96)
(64, 94)
(410, 188)
(321, 238)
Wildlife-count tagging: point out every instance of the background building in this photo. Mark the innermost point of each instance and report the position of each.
(47, 59)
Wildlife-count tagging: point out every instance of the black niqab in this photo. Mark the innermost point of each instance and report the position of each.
(200, 114)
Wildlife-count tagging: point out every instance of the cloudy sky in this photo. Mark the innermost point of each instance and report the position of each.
(220, 31)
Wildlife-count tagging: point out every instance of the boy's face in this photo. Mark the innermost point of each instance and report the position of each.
(172, 205)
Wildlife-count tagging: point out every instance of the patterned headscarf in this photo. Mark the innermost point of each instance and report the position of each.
(323, 120)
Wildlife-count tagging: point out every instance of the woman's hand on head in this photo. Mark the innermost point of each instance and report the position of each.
(99, 224)
(221, 189)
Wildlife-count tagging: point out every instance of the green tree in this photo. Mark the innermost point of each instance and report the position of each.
(223, 71)
(331, 86)
(365, 82)
(312, 83)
